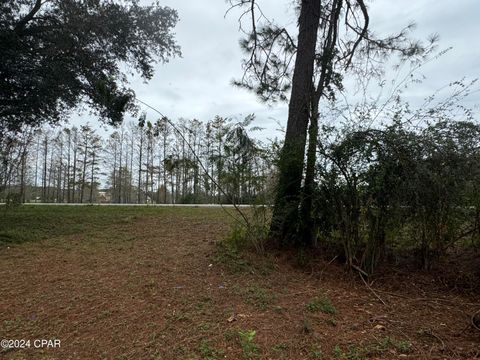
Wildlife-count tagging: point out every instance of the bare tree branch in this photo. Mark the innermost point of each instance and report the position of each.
(23, 22)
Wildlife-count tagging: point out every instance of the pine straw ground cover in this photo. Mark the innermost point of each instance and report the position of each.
(153, 283)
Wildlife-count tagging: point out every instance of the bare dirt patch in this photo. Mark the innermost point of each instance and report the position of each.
(155, 286)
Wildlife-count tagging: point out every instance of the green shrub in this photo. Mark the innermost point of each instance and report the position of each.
(321, 304)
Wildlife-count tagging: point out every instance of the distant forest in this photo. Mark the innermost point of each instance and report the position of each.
(140, 162)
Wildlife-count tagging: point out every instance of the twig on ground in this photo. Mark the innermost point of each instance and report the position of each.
(325, 267)
(454, 303)
(431, 333)
(359, 270)
(366, 284)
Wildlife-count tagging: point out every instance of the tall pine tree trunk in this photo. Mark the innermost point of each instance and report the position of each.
(84, 170)
(139, 195)
(306, 231)
(287, 202)
(164, 168)
(92, 176)
(44, 179)
(66, 184)
(120, 174)
(74, 176)
(23, 170)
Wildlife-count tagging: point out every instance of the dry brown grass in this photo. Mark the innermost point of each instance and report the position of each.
(155, 287)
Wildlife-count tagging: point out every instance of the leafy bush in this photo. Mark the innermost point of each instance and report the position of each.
(400, 187)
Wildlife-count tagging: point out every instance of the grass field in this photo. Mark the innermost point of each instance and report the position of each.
(154, 283)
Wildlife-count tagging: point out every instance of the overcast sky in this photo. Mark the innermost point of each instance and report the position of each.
(198, 85)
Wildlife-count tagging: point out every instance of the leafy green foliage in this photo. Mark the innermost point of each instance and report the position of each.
(400, 187)
(321, 304)
(56, 54)
(229, 256)
(254, 234)
(249, 349)
(257, 296)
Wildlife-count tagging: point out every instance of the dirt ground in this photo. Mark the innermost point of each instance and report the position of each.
(160, 287)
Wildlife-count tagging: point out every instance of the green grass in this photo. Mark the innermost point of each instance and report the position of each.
(250, 350)
(351, 353)
(366, 351)
(257, 296)
(316, 353)
(388, 342)
(35, 223)
(280, 347)
(230, 257)
(208, 351)
(237, 260)
(321, 304)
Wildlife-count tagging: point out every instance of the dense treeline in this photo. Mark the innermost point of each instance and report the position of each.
(145, 162)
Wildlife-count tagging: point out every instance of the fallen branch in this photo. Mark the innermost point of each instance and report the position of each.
(359, 270)
(426, 299)
(362, 272)
(430, 333)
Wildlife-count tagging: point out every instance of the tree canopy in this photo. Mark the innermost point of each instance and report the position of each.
(57, 54)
